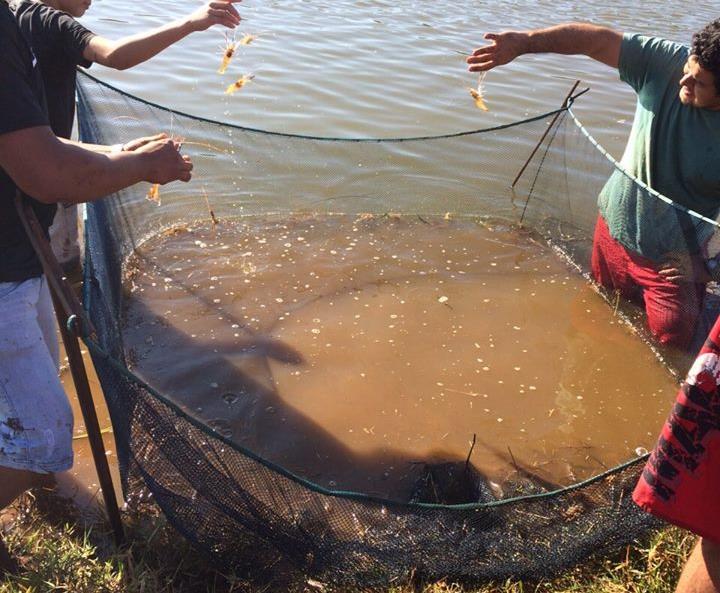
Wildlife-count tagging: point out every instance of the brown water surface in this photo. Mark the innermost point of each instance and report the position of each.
(81, 482)
(352, 350)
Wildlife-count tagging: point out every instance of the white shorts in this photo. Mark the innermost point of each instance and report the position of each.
(36, 420)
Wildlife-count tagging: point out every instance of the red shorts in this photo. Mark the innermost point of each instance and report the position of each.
(672, 309)
(681, 480)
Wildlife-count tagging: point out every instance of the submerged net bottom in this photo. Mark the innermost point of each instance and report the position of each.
(223, 500)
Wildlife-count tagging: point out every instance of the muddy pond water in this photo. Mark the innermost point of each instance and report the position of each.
(353, 350)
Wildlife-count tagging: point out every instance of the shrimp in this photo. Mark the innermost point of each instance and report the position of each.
(247, 39)
(478, 94)
(239, 83)
(154, 193)
(228, 53)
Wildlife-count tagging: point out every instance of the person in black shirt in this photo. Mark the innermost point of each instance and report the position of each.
(61, 44)
(35, 417)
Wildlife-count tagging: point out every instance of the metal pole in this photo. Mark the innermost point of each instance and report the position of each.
(552, 123)
(68, 307)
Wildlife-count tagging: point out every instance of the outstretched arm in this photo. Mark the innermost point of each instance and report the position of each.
(131, 51)
(600, 43)
(65, 172)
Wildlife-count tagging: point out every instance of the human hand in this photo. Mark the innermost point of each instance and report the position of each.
(503, 48)
(163, 161)
(216, 12)
(679, 267)
(139, 142)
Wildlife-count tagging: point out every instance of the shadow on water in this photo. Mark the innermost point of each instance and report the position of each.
(228, 384)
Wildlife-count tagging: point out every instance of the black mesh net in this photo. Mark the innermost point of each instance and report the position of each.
(220, 490)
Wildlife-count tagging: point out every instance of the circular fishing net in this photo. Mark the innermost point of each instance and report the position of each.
(456, 518)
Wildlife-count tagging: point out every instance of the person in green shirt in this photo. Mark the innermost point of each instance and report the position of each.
(646, 248)
(644, 245)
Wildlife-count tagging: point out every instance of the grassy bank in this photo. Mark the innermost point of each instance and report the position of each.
(58, 555)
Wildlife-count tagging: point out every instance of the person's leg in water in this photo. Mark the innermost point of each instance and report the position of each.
(35, 415)
(702, 570)
(609, 263)
(672, 308)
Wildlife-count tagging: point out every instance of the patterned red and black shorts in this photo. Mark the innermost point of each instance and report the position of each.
(681, 480)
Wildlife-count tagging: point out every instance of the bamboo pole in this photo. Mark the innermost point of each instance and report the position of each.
(73, 323)
(552, 123)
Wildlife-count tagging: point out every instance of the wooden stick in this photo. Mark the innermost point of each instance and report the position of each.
(467, 461)
(66, 306)
(552, 123)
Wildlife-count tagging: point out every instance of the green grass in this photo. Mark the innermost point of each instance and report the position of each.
(59, 555)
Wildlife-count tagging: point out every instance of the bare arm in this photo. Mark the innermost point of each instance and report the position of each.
(106, 148)
(600, 43)
(60, 171)
(133, 50)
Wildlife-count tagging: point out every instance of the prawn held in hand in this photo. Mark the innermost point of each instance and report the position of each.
(154, 193)
(478, 94)
(247, 39)
(228, 53)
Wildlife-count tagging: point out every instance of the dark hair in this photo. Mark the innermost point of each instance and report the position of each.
(706, 46)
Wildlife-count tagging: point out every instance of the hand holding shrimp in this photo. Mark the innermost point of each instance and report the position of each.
(216, 12)
(503, 48)
(164, 164)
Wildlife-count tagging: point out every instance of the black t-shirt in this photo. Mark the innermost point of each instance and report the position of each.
(58, 41)
(22, 105)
